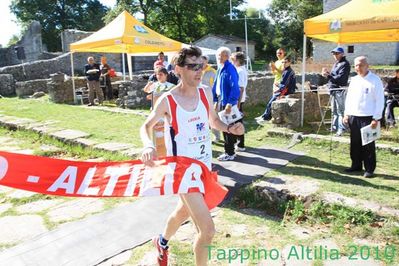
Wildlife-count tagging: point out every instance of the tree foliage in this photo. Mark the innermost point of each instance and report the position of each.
(289, 16)
(58, 15)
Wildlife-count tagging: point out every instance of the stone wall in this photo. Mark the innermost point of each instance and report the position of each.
(32, 43)
(7, 85)
(377, 53)
(70, 36)
(27, 88)
(131, 94)
(43, 68)
(260, 86)
(60, 90)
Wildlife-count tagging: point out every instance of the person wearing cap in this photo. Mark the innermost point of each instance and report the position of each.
(337, 82)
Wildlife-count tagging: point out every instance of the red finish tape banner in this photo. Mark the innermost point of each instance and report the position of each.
(170, 175)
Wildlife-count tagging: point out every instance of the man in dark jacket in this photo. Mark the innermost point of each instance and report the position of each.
(226, 93)
(92, 72)
(337, 83)
(286, 86)
(392, 89)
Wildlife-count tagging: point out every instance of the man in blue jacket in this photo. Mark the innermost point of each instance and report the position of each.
(226, 93)
(337, 83)
(286, 86)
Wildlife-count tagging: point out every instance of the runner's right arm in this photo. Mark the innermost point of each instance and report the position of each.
(149, 151)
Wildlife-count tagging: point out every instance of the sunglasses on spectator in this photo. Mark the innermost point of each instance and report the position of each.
(194, 67)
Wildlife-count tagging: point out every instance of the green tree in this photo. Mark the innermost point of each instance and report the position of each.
(13, 40)
(288, 16)
(58, 15)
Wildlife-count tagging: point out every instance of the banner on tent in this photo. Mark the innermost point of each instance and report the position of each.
(170, 175)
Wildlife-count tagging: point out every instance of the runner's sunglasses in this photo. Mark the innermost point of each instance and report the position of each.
(194, 67)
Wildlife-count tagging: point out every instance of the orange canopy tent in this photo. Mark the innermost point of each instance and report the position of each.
(358, 21)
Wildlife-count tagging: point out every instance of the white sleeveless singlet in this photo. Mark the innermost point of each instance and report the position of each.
(188, 133)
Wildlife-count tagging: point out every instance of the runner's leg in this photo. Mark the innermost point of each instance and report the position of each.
(178, 216)
(206, 228)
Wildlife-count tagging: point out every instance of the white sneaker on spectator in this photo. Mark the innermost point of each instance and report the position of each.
(239, 149)
(226, 157)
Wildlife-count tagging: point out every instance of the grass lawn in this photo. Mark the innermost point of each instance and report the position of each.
(104, 126)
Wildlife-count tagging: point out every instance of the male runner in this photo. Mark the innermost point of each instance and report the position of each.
(188, 116)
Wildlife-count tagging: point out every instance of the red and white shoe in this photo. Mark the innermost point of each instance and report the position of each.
(162, 252)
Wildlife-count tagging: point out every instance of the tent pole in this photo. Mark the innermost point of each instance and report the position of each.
(123, 66)
(73, 79)
(303, 79)
(129, 65)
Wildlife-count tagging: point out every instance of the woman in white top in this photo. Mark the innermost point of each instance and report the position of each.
(159, 87)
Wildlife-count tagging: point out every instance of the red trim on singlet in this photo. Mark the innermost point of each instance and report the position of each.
(204, 100)
(173, 107)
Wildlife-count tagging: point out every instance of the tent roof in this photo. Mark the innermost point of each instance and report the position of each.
(358, 21)
(125, 34)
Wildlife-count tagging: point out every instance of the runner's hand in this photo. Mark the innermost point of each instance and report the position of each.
(148, 156)
(237, 129)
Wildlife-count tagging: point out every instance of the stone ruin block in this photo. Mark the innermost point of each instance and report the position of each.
(28, 88)
(7, 85)
(131, 94)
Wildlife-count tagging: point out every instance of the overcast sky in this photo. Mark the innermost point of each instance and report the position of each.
(9, 27)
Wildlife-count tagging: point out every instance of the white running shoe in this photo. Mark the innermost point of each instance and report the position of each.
(226, 157)
(238, 149)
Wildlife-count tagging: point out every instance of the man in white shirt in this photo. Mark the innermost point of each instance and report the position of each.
(363, 106)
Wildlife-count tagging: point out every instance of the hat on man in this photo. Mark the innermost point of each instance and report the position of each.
(338, 49)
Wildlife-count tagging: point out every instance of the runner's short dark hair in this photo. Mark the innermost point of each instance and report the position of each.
(187, 52)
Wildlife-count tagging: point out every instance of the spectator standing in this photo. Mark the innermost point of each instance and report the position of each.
(337, 83)
(363, 106)
(226, 93)
(161, 61)
(392, 89)
(208, 78)
(278, 67)
(286, 86)
(238, 60)
(92, 72)
(106, 79)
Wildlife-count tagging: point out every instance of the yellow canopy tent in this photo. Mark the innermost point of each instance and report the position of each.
(124, 34)
(358, 21)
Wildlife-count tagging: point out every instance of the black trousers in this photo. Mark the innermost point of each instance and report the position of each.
(229, 140)
(361, 154)
(240, 138)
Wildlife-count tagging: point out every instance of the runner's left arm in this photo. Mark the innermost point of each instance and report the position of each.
(216, 123)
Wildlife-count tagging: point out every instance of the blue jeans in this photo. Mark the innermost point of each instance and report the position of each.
(267, 114)
(338, 108)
